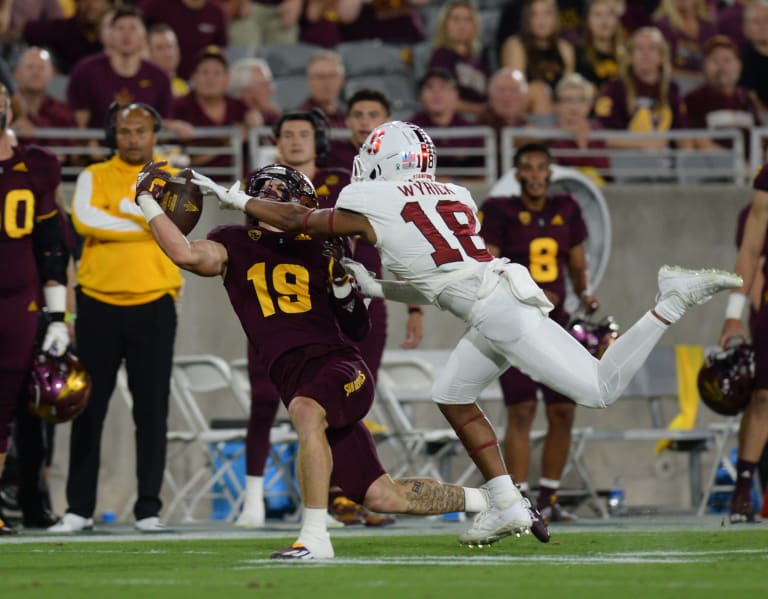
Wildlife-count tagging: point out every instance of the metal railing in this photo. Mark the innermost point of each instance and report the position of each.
(486, 160)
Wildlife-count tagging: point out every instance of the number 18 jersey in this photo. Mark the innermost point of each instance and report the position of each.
(427, 232)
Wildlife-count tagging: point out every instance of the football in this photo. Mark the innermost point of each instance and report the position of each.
(182, 200)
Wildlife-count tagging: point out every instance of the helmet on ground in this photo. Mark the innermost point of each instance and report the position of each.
(283, 184)
(595, 336)
(59, 387)
(726, 379)
(395, 151)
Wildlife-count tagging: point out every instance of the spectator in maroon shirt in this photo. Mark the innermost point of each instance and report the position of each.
(754, 56)
(644, 98)
(197, 24)
(208, 104)
(391, 21)
(251, 81)
(457, 47)
(33, 108)
(598, 57)
(70, 40)
(320, 20)
(686, 25)
(325, 80)
(730, 21)
(720, 103)
(439, 96)
(574, 98)
(121, 76)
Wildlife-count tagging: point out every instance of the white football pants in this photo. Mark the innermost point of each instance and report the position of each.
(507, 332)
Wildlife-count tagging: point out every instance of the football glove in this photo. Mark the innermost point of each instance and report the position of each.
(56, 339)
(148, 174)
(231, 198)
(368, 285)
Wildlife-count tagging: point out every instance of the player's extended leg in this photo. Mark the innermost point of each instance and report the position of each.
(472, 365)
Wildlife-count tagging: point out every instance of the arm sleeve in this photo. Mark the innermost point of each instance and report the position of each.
(50, 249)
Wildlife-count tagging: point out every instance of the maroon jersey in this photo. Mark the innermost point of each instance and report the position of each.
(94, 85)
(648, 113)
(538, 240)
(341, 154)
(391, 21)
(195, 28)
(52, 113)
(471, 72)
(28, 182)
(65, 40)
(709, 108)
(278, 286)
(686, 52)
(187, 108)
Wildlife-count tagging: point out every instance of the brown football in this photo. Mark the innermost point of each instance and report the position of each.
(182, 200)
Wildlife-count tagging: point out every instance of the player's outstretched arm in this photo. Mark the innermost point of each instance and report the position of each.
(747, 264)
(397, 291)
(203, 257)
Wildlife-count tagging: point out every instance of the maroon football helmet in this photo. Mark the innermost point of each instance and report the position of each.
(595, 336)
(296, 186)
(726, 379)
(60, 387)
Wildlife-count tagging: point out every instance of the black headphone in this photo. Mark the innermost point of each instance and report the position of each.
(110, 120)
(319, 123)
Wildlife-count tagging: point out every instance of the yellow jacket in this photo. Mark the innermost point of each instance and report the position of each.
(121, 262)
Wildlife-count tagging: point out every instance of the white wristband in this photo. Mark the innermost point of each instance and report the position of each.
(735, 307)
(149, 206)
(55, 298)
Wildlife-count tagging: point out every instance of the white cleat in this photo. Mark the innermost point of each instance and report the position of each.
(681, 289)
(494, 524)
(151, 524)
(250, 519)
(71, 523)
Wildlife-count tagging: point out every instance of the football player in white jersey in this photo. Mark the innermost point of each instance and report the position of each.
(428, 236)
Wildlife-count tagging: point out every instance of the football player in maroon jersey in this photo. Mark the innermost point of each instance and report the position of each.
(278, 284)
(33, 255)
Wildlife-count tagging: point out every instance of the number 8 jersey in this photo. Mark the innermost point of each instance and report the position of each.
(427, 232)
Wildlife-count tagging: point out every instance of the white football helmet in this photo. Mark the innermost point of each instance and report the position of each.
(395, 151)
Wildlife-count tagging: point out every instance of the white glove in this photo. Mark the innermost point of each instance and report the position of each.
(231, 198)
(365, 281)
(56, 339)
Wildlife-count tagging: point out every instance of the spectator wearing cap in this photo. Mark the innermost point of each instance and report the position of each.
(164, 52)
(197, 24)
(251, 81)
(121, 75)
(457, 48)
(720, 103)
(208, 104)
(439, 96)
(325, 80)
(72, 39)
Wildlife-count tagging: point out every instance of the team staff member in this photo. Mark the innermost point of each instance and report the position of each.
(32, 253)
(125, 311)
(545, 233)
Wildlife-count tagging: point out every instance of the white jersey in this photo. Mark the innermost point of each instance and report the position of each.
(426, 232)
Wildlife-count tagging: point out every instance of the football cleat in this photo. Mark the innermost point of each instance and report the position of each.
(742, 510)
(151, 524)
(554, 512)
(6, 529)
(295, 551)
(681, 289)
(494, 524)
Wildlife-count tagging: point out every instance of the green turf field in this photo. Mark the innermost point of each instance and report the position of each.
(619, 564)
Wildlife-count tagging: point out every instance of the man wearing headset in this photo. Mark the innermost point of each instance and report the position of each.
(126, 291)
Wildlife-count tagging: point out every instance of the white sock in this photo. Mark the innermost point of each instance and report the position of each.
(549, 482)
(314, 532)
(503, 491)
(254, 494)
(475, 500)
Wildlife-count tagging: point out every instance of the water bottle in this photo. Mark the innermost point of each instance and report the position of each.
(616, 506)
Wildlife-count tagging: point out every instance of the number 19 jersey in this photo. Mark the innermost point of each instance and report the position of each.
(427, 232)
